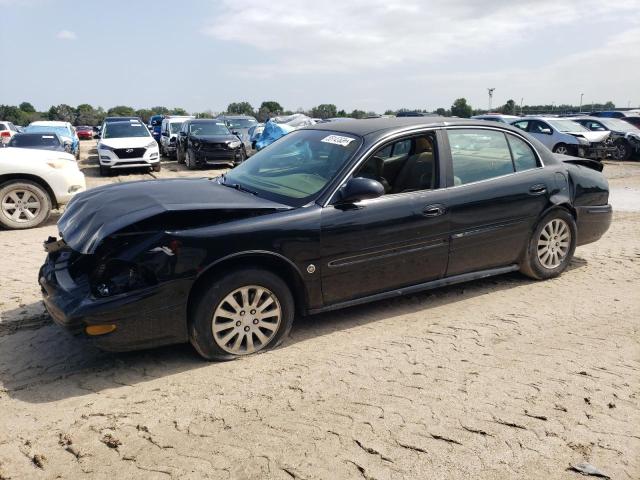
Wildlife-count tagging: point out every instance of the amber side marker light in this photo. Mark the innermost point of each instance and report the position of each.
(99, 329)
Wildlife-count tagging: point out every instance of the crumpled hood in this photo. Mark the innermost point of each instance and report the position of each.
(593, 137)
(97, 213)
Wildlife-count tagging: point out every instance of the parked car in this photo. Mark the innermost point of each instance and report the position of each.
(208, 142)
(127, 144)
(84, 132)
(240, 125)
(625, 137)
(497, 117)
(609, 114)
(155, 123)
(39, 141)
(64, 129)
(329, 216)
(635, 121)
(169, 134)
(33, 182)
(254, 134)
(7, 130)
(561, 135)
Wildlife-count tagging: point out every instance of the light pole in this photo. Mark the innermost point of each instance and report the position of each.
(521, 100)
(581, 95)
(490, 90)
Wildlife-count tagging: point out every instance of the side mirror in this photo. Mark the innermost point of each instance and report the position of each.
(360, 188)
(546, 131)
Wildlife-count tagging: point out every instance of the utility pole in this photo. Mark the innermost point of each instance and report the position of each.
(581, 95)
(521, 100)
(490, 90)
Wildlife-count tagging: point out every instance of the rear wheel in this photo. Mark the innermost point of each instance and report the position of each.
(241, 157)
(179, 157)
(244, 312)
(551, 246)
(23, 204)
(623, 151)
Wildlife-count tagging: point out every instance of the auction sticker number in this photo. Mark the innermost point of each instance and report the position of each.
(338, 140)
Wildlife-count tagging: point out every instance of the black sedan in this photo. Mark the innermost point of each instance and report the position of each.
(208, 142)
(329, 216)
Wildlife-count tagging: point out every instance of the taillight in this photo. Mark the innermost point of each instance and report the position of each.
(6, 133)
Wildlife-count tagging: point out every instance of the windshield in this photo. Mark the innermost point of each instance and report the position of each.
(124, 130)
(567, 126)
(234, 123)
(175, 127)
(208, 128)
(617, 125)
(296, 167)
(62, 131)
(39, 141)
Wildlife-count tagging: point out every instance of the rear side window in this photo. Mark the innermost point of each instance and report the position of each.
(3, 127)
(479, 155)
(523, 156)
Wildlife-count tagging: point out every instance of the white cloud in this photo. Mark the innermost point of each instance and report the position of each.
(66, 35)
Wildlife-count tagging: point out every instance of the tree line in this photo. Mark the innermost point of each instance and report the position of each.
(86, 114)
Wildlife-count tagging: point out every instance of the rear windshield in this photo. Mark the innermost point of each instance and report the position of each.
(43, 141)
(125, 130)
(617, 124)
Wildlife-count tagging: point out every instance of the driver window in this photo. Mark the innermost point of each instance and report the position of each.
(407, 165)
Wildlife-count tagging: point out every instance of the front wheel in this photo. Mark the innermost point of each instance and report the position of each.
(23, 204)
(189, 160)
(623, 151)
(157, 167)
(241, 157)
(562, 149)
(551, 246)
(244, 312)
(179, 158)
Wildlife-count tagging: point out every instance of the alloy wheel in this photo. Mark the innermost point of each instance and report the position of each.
(21, 205)
(246, 320)
(562, 150)
(554, 243)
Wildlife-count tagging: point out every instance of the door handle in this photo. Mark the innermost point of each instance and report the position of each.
(537, 189)
(434, 210)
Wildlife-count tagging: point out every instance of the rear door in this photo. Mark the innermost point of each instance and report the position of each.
(499, 191)
(396, 240)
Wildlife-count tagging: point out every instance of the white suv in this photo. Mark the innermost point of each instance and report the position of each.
(127, 144)
(169, 133)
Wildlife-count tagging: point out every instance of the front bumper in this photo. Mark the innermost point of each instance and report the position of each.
(215, 157)
(65, 183)
(109, 159)
(596, 151)
(145, 318)
(593, 222)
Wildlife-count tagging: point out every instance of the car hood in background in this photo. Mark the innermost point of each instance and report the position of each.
(594, 137)
(97, 213)
(37, 154)
(127, 142)
(214, 138)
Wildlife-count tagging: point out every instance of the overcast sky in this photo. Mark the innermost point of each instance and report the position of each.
(367, 54)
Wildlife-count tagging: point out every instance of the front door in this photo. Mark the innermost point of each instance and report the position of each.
(396, 240)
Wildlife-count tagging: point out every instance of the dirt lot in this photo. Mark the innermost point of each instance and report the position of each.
(500, 378)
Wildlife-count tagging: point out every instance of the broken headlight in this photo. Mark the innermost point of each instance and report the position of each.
(118, 276)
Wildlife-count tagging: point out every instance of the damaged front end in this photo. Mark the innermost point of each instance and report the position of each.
(126, 269)
(595, 145)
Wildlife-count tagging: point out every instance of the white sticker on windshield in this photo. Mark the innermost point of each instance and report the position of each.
(219, 123)
(338, 140)
(47, 136)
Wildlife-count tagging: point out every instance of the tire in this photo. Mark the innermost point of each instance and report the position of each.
(105, 171)
(179, 158)
(157, 167)
(189, 162)
(243, 157)
(15, 214)
(562, 148)
(232, 341)
(624, 151)
(539, 260)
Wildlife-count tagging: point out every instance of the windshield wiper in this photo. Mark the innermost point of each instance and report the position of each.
(237, 186)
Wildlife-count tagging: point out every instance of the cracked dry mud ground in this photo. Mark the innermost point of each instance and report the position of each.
(501, 378)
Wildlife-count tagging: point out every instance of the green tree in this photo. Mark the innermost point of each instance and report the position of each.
(342, 113)
(205, 114)
(609, 105)
(160, 111)
(240, 108)
(324, 110)
(441, 111)
(461, 108)
(178, 111)
(389, 112)
(12, 114)
(272, 106)
(144, 114)
(358, 114)
(27, 107)
(62, 112)
(509, 108)
(121, 111)
(87, 115)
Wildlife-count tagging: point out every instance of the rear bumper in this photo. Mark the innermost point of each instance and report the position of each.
(593, 222)
(146, 318)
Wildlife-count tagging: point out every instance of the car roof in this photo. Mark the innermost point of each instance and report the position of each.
(373, 125)
(50, 123)
(203, 120)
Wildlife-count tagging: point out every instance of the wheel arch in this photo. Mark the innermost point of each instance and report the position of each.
(270, 261)
(34, 178)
